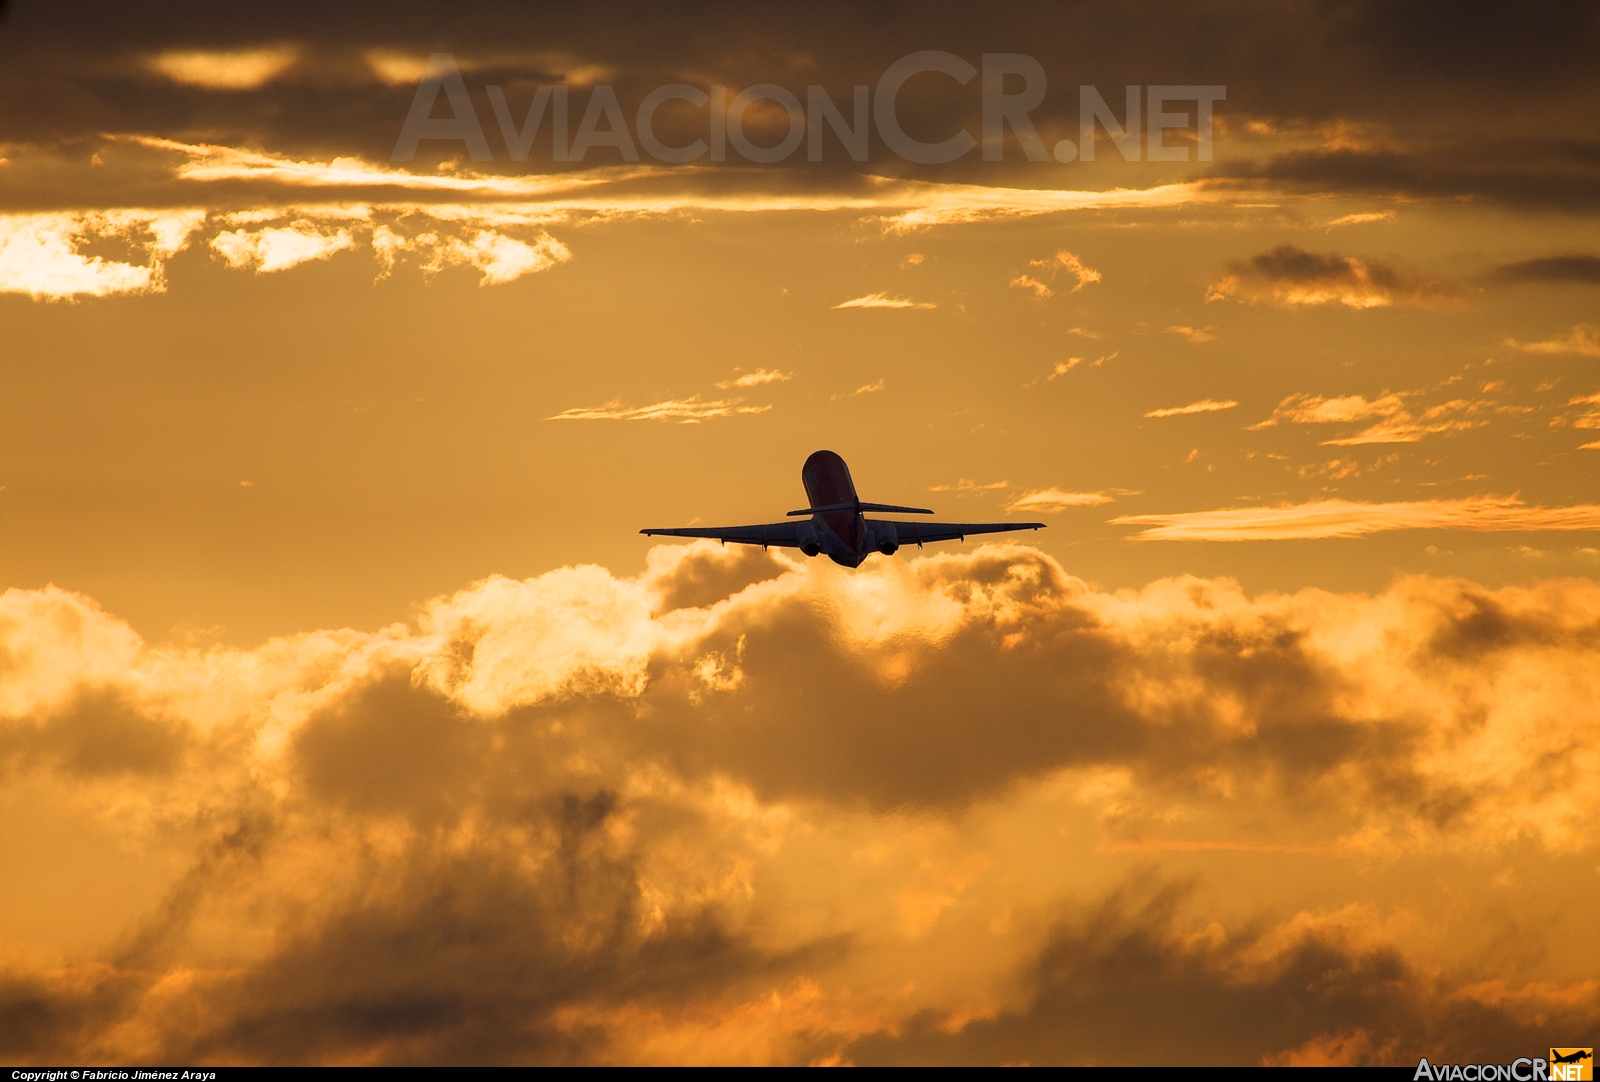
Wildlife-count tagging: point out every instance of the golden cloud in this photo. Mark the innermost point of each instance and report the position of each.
(1342, 518)
(900, 206)
(1063, 260)
(1205, 405)
(757, 378)
(236, 69)
(1583, 339)
(1051, 501)
(739, 808)
(279, 248)
(685, 411)
(1396, 423)
(881, 300)
(42, 254)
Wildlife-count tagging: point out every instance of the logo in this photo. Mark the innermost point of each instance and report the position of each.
(1564, 1065)
(1571, 1064)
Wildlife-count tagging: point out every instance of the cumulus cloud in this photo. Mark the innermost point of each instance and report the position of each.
(1205, 405)
(1341, 518)
(1292, 277)
(881, 300)
(1582, 339)
(685, 411)
(277, 248)
(42, 254)
(590, 818)
(499, 258)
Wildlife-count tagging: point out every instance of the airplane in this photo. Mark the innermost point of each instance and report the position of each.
(837, 525)
(1577, 1055)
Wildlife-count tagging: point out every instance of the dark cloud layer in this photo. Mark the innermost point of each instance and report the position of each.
(99, 733)
(1124, 984)
(1558, 268)
(1429, 74)
(1548, 175)
(1291, 276)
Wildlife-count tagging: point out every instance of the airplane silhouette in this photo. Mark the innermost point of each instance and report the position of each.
(837, 526)
(1575, 1056)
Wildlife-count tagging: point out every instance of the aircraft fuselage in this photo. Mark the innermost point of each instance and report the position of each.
(843, 533)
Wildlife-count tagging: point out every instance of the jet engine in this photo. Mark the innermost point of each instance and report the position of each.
(884, 539)
(810, 543)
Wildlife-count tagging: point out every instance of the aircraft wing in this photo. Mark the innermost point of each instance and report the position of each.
(779, 534)
(918, 533)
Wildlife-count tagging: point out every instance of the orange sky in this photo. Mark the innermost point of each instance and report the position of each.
(346, 717)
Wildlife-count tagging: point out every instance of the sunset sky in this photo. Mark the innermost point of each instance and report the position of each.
(346, 717)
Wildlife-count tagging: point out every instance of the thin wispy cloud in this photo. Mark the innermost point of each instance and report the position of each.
(965, 485)
(1364, 218)
(1205, 405)
(1062, 261)
(1393, 421)
(214, 163)
(899, 206)
(1053, 501)
(866, 388)
(1341, 518)
(882, 300)
(1582, 339)
(686, 411)
(1040, 290)
(1057, 370)
(1194, 335)
(757, 378)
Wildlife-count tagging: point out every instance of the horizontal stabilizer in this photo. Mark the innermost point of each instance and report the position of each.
(858, 506)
